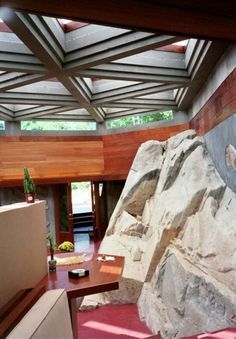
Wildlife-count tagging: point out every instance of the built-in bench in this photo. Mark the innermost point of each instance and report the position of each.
(15, 309)
(26, 310)
(36, 314)
(23, 248)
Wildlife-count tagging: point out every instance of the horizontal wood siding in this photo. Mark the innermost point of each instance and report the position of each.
(120, 149)
(50, 158)
(64, 159)
(220, 106)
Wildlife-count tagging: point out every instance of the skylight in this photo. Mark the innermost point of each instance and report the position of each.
(181, 43)
(61, 69)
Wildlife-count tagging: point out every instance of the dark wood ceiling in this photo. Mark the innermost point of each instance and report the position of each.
(200, 18)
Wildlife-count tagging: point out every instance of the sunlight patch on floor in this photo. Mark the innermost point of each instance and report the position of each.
(114, 329)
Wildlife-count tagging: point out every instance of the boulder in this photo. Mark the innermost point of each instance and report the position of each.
(214, 243)
(175, 225)
(141, 181)
(182, 299)
(197, 179)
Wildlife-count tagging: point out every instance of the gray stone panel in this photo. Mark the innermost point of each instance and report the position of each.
(217, 140)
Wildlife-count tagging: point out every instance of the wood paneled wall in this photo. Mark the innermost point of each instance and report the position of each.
(63, 159)
(220, 106)
(50, 159)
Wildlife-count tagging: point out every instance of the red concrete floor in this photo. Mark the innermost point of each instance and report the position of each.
(83, 243)
(228, 333)
(121, 321)
(112, 322)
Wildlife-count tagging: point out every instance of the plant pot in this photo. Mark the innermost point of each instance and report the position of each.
(30, 197)
(52, 265)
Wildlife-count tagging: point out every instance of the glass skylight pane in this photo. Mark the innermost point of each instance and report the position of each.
(181, 43)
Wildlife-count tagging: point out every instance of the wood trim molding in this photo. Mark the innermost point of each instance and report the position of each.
(220, 106)
(29, 138)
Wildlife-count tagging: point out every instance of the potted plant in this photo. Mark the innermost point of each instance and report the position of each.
(29, 187)
(52, 262)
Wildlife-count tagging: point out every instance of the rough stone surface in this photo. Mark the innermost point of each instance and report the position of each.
(141, 181)
(213, 245)
(186, 299)
(230, 155)
(175, 223)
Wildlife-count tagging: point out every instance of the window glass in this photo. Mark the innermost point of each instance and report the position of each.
(34, 125)
(139, 119)
(2, 125)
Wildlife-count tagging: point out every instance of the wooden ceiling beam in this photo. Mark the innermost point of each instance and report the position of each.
(37, 99)
(35, 33)
(137, 73)
(16, 81)
(6, 113)
(155, 58)
(127, 92)
(68, 117)
(14, 62)
(171, 17)
(77, 88)
(148, 104)
(40, 41)
(40, 49)
(91, 35)
(116, 48)
(39, 113)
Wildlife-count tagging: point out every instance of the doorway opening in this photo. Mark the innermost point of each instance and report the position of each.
(82, 211)
(81, 197)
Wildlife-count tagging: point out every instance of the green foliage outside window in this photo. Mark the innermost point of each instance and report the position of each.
(139, 119)
(83, 186)
(36, 125)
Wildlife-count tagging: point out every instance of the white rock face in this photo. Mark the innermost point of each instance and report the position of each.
(214, 243)
(141, 181)
(175, 223)
(185, 299)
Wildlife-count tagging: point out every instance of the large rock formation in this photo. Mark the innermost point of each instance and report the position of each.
(175, 223)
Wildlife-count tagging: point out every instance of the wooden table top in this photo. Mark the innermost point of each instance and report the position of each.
(103, 276)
